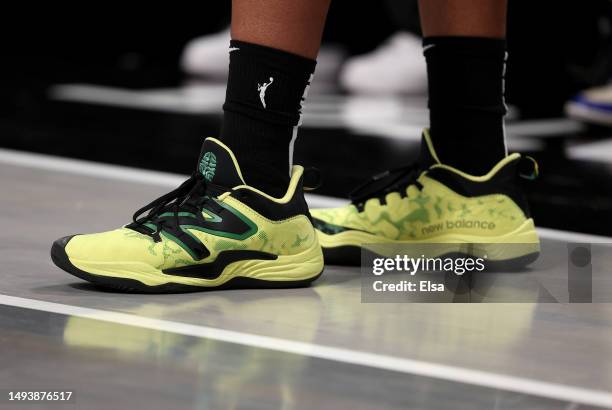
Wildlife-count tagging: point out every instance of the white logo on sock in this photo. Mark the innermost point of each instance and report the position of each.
(262, 91)
(233, 49)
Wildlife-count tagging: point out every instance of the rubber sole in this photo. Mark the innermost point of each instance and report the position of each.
(61, 260)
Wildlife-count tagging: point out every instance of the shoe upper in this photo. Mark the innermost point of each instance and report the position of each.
(213, 212)
(430, 199)
(597, 96)
(593, 105)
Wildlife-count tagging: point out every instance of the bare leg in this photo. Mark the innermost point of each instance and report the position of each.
(474, 18)
(295, 26)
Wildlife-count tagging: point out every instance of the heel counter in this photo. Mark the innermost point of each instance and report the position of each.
(506, 182)
(273, 209)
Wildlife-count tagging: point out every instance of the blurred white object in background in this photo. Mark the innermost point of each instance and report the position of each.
(208, 56)
(592, 106)
(396, 67)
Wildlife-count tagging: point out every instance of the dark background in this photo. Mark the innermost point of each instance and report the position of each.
(556, 49)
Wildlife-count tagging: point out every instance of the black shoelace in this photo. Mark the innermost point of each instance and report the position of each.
(190, 196)
(379, 186)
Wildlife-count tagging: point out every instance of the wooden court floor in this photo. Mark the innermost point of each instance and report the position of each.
(313, 348)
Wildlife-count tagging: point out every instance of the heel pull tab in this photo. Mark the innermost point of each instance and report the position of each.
(311, 179)
(528, 168)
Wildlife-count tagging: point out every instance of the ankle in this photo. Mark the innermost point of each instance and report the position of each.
(466, 100)
(264, 176)
(262, 110)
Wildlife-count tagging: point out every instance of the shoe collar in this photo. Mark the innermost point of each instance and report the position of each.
(297, 172)
(429, 159)
(218, 165)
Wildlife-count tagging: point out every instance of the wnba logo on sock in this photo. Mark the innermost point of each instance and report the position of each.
(262, 91)
(208, 165)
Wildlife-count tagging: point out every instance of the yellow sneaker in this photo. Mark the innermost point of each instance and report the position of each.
(435, 204)
(214, 231)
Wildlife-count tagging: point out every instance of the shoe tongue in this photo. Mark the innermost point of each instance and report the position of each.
(427, 156)
(218, 164)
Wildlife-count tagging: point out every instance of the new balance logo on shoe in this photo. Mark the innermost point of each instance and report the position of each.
(262, 91)
(208, 166)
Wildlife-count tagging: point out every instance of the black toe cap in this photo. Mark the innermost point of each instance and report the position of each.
(62, 242)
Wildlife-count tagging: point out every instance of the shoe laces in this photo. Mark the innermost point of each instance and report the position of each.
(190, 196)
(380, 185)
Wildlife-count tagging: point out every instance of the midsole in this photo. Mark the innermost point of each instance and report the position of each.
(519, 242)
(285, 268)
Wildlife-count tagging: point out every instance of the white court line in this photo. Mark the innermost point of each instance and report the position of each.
(87, 168)
(121, 173)
(373, 360)
(567, 236)
(128, 174)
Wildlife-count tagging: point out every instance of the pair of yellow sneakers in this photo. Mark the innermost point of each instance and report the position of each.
(215, 231)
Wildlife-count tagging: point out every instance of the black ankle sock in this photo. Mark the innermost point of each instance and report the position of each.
(466, 102)
(262, 107)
